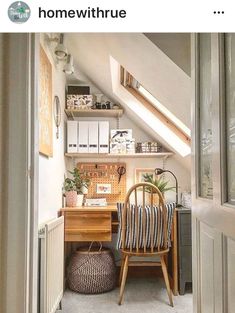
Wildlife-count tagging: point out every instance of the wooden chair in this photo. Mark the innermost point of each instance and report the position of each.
(130, 219)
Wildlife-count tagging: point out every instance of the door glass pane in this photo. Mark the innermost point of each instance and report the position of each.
(230, 114)
(205, 117)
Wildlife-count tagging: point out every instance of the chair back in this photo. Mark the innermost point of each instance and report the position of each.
(151, 242)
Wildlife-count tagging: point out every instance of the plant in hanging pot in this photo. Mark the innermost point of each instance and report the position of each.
(70, 192)
(81, 182)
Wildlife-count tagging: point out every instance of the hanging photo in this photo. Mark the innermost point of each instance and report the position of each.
(103, 188)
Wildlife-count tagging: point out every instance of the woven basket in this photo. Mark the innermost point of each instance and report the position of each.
(92, 272)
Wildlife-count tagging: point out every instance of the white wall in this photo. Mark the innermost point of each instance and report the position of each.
(52, 170)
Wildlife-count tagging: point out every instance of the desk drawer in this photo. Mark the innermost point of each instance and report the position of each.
(86, 235)
(74, 220)
(88, 226)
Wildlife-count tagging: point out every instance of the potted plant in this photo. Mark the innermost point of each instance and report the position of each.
(81, 182)
(70, 192)
(160, 183)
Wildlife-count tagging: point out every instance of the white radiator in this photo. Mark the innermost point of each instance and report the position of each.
(51, 265)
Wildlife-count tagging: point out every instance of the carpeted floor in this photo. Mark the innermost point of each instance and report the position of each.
(141, 296)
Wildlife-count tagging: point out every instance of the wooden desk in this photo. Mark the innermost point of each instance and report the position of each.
(88, 223)
(84, 224)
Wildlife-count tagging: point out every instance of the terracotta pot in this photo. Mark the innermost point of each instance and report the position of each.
(71, 198)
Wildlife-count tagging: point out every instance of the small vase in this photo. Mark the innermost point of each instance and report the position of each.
(71, 198)
(80, 199)
(84, 190)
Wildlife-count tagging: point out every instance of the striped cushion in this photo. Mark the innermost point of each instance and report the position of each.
(157, 214)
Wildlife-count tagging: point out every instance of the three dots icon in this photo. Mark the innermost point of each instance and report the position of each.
(218, 12)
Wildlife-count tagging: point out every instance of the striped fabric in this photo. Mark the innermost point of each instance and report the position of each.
(158, 223)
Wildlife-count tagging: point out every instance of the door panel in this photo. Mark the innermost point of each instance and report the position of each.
(230, 264)
(207, 270)
(210, 268)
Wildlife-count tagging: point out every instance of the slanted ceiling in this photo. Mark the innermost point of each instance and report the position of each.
(143, 59)
(176, 46)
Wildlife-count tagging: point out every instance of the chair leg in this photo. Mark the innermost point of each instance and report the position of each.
(166, 278)
(124, 275)
(121, 271)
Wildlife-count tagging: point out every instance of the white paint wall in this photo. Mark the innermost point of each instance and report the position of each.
(52, 170)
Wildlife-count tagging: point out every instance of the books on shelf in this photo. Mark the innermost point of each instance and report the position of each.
(96, 202)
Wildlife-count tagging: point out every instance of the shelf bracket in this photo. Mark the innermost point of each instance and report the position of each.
(118, 121)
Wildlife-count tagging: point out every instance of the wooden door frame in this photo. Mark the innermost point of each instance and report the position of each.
(216, 213)
(19, 203)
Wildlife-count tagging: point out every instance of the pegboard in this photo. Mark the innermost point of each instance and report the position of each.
(105, 173)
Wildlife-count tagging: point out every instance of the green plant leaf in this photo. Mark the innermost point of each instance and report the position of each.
(77, 183)
(160, 183)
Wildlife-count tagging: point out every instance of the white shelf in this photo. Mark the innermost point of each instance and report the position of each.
(73, 113)
(110, 155)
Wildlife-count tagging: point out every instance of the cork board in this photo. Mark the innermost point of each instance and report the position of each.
(105, 173)
(45, 106)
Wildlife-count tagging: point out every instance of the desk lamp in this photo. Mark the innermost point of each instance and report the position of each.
(159, 171)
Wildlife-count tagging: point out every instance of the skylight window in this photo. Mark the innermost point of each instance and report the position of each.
(163, 109)
(150, 110)
(158, 117)
(161, 129)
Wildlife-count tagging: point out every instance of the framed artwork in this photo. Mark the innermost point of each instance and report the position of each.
(103, 188)
(141, 172)
(45, 106)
